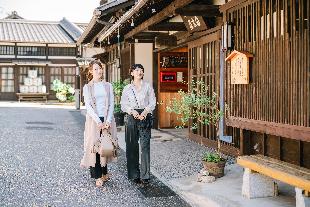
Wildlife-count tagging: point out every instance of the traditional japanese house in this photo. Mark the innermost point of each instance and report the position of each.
(270, 114)
(49, 48)
(265, 76)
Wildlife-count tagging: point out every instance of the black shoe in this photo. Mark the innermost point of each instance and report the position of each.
(145, 181)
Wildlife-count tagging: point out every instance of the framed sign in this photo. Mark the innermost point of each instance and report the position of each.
(194, 23)
(168, 77)
(239, 67)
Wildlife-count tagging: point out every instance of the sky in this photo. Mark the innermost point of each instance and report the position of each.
(79, 11)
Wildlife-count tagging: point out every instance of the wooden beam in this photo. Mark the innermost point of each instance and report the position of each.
(146, 35)
(168, 26)
(277, 129)
(199, 10)
(226, 149)
(170, 9)
(230, 4)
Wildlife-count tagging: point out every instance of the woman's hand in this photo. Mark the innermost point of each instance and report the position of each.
(100, 125)
(135, 114)
(143, 115)
(106, 125)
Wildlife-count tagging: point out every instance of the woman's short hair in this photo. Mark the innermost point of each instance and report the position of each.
(135, 66)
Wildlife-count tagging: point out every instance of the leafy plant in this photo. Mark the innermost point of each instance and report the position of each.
(118, 87)
(117, 108)
(63, 91)
(212, 157)
(197, 106)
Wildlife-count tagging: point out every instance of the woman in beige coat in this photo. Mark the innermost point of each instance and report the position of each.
(99, 102)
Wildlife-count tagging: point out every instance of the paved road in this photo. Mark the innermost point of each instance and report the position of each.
(40, 151)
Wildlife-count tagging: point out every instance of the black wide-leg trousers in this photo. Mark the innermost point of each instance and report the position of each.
(98, 171)
(134, 135)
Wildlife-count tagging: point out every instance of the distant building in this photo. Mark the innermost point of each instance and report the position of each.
(45, 46)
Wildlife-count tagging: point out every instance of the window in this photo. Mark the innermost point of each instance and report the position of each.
(6, 50)
(62, 51)
(69, 76)
(31, 51)
(55, 74)
(7, 79)
(23, 73)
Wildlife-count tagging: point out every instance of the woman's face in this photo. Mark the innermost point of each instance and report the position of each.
(137, 74)
(97, 72)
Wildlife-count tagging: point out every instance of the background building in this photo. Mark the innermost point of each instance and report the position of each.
(47, 47)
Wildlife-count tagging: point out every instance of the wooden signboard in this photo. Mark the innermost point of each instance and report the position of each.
(240, 66)
(194, 23)
(165, 40)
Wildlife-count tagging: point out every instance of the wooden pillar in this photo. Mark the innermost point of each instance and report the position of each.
(47, 75)
(241, 142)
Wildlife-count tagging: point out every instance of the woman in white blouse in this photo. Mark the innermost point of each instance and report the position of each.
(99, 102)
(138, 101)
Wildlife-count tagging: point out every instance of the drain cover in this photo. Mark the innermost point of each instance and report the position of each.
(39, 128)
(39, 122)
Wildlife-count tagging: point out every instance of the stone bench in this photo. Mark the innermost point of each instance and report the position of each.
(260, 172)
(32, 96)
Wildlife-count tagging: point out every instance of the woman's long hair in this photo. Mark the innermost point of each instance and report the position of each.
(90, 68)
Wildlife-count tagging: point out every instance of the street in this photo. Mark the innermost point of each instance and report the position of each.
(40, 151)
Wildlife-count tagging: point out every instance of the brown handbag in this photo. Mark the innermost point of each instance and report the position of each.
(104, 145)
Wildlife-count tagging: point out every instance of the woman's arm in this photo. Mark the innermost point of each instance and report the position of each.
(111, 104)
(125, 106)
(89, 108)
(152, 100)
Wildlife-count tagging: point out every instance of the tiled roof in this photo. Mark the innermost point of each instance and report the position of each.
(83, 26)
(20, 30)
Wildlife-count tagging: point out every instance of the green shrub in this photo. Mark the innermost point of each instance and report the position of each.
(64, 92)
(118, 87)
(212, 157)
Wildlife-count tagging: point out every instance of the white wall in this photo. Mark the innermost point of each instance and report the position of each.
(144, 56)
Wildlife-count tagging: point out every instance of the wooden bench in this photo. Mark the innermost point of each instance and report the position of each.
(32, 96)
(260, 172)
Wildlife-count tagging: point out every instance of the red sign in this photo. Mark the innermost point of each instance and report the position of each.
(168, 76)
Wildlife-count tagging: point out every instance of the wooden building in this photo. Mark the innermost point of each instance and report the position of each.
(46, 47)
(269, 110)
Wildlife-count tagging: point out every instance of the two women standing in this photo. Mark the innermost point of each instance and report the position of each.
(138, 101)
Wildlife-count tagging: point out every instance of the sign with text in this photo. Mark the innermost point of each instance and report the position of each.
(168, 77)
(194, 23)
(239, 67)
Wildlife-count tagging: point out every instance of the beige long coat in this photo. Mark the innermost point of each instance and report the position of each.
(91, 132)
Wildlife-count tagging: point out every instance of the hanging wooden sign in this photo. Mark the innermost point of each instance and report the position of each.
(165, 40)
(194, 23)
(239, 67)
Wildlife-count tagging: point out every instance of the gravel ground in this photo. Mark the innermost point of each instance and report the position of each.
(40, 151)
(178, 157)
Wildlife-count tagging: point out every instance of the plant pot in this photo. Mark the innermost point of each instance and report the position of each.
(215, 169)
(119, 119)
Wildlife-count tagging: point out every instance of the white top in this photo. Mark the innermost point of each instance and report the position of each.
(145, 98)
(100, 96)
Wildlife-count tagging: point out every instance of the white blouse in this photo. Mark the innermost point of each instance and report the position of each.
(100, 96)
(138, 99)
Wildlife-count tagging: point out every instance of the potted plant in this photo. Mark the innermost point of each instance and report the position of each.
(118, 87)
(64, 92)
(198, 107)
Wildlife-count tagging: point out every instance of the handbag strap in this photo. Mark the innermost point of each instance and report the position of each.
(134, 94)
